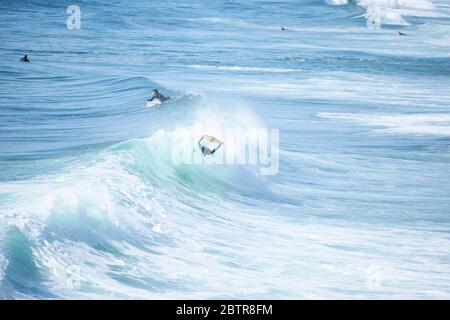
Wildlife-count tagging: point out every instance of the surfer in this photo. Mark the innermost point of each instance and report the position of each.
(208, 145)
(402, 34)
(157, 96)
(283, 28)
(24, 59)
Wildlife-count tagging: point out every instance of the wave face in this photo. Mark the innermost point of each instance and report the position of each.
(92, 204)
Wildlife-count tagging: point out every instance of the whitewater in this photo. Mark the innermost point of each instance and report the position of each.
(92, 205)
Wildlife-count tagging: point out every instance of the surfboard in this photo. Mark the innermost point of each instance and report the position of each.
(209, 144)
(154, 103)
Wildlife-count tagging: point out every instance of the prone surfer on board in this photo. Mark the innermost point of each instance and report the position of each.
(158, 96)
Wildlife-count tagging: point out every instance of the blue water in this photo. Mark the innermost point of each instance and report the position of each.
(91, 205)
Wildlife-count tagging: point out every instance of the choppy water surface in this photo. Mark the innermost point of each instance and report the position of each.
(92, 206)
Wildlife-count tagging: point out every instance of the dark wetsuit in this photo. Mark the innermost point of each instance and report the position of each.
(159, 97)
(24, 59)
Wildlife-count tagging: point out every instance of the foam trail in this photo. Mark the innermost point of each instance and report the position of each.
(422, 124)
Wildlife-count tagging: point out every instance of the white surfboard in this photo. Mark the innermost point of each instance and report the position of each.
(154, 103)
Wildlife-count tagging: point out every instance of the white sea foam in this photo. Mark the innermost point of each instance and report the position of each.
(394, 11)
(415, 124)
(336, 2)
(235, 22)
(3, 266)
(243, 69)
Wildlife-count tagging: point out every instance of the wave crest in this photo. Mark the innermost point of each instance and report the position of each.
(393, 11)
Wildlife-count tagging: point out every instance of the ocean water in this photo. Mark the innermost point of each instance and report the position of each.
(92, 204)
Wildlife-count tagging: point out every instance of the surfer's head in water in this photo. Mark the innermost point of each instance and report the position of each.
(24, 59)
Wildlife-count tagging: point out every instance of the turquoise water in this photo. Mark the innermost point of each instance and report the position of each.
(92, 205)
